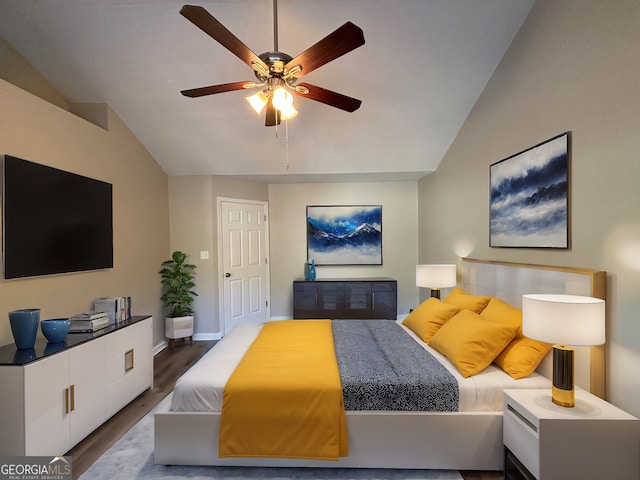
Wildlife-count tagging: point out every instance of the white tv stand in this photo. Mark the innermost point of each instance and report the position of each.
(54, 395)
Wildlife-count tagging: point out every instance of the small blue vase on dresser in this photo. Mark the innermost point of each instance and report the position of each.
(24, 327)
(310, 270)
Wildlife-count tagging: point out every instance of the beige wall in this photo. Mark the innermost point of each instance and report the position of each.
(194, 224)
(287, 207)
(33, 129)
(574, 66)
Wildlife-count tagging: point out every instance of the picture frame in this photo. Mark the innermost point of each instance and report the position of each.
(529, 197)
(344, 234)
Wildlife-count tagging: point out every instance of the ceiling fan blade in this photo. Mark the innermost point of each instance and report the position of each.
(225, 87)
(272, 116)
(212, 27)
(334, 99)
(346, 38)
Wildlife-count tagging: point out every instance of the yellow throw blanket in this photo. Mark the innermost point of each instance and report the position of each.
(284, 399)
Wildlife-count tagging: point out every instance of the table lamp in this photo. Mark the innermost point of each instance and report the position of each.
(563, 320)
(435, 277)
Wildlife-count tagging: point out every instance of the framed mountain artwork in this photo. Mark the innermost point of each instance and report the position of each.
(529, 200)
(344, 235)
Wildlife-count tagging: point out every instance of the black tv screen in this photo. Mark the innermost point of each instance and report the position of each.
(54, 221)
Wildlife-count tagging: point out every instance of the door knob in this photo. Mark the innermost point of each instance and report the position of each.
(227, 274)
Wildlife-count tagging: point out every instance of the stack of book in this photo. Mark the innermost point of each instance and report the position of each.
(88, 321)
(117, 308)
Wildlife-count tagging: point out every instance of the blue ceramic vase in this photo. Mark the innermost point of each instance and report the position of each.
(24, 326)
(310, 270)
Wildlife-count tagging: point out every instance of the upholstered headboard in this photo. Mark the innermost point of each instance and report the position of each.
(509, 281)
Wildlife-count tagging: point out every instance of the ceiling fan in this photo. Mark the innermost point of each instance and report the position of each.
(277, 73)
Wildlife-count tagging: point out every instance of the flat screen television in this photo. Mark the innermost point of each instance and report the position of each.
(53, 221)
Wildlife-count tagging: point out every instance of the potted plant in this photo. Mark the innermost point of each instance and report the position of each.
(178, 296)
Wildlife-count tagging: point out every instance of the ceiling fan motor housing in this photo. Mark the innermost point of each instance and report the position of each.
(276, 62)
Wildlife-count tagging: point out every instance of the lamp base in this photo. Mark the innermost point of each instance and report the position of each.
(564, 398)
(435, 293)
(562, 391)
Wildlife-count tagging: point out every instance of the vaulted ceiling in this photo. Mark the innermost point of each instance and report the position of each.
(422, 68)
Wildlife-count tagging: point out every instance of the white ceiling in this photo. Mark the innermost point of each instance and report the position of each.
(422, 68)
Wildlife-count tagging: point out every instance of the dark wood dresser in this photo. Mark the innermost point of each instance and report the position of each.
(365, 298)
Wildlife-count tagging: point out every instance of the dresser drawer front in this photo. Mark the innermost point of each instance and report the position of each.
(384, 286)
(123, 390)
(127, 350)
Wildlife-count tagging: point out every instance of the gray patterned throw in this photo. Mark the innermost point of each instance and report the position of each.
(383, 368)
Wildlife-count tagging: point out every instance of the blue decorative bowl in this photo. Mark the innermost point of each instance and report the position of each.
(55, 329)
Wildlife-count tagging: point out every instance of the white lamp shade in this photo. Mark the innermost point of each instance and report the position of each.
(257, 101)
(435, 276)
(564, 319)
(288, 112)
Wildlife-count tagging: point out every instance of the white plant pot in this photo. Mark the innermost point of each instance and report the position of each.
(178, 327)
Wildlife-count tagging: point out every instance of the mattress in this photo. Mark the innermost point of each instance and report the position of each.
(201, 388)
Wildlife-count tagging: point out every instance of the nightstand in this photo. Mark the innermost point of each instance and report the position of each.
(543, 441)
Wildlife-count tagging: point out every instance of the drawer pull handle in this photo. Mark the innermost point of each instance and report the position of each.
(66, 401)
(128, 361)
(72, 394)
(522, 418)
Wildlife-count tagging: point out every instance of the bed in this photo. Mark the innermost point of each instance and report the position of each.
(187, 423)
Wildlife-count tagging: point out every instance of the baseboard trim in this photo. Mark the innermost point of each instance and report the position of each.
(159, 347)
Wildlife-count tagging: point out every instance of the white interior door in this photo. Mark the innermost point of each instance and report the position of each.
(244, 262)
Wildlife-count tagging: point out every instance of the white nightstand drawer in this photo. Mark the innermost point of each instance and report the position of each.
(521, 436)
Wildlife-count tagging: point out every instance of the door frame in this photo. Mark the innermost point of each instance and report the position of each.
(221, 283)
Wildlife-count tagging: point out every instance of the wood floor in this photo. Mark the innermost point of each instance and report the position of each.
(168, 366)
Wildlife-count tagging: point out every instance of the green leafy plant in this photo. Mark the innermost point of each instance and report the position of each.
(177, 280)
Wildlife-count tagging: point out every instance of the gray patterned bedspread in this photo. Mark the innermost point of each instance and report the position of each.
(383, 368)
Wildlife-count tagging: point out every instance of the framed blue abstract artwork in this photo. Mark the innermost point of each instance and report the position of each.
(344, 235)
(529, 197)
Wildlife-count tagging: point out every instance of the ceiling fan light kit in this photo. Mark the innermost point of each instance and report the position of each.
(277, 72)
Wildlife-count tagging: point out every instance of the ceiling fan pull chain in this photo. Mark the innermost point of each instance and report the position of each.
(286, 141)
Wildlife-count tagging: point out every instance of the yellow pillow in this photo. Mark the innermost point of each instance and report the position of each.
(471, 342)
(523, 355)
(502, 312)
(464, 301)
(428, 317)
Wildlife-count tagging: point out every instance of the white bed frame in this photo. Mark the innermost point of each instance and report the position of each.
(456, 441)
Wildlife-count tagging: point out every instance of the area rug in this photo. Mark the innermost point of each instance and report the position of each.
(131, 458)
